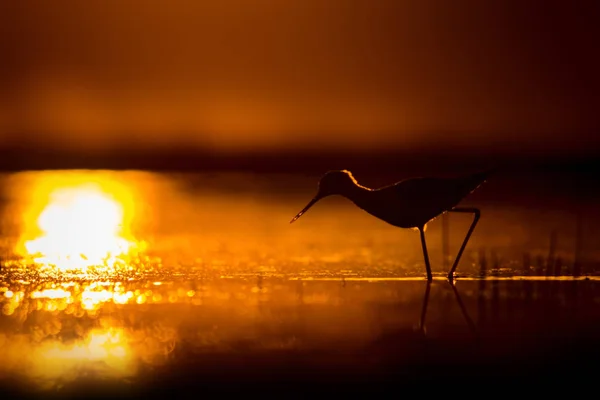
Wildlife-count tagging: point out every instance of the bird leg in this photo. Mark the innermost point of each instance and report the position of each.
(477, 214)
(425, 255)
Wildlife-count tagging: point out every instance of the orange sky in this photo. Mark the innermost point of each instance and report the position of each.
(260, 74)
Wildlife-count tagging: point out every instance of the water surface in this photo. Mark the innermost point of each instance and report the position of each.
(138, 281)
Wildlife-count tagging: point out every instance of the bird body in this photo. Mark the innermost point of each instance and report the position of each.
(414, 202)
(410, 203)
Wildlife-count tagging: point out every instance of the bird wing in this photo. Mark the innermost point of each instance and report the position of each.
(427, 193)
(415, 201)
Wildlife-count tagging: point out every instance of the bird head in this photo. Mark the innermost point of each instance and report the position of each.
(332, 183)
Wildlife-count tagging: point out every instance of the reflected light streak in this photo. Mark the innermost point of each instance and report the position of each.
(87, 297)
(104, 351)
(51, 294)
(63, 335)
(98, 345)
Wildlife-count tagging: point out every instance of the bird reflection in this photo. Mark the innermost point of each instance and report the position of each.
(410, 342)
(463, 309)
(459, 301)
(424, 308)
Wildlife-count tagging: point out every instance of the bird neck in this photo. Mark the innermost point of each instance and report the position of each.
(356, 193)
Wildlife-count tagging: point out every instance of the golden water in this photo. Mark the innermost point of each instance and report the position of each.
(106, 272)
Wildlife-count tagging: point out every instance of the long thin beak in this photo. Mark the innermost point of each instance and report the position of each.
(305, 209)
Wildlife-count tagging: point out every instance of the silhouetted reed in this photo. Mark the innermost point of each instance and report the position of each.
(482, 263)
(551, 253)
(550, 265)
(578, 244)
(446, 240)
(539, 265)
(526, 268)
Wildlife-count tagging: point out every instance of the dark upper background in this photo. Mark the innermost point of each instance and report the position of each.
(276, 85)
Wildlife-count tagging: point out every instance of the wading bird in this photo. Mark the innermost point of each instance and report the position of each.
(410, 203)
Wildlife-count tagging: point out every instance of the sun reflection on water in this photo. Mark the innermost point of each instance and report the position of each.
(81, 228)
(78, 222)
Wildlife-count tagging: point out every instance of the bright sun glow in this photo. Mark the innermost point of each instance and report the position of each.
(79, 226)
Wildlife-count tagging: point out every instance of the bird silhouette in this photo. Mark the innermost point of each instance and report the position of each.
(410, 203)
